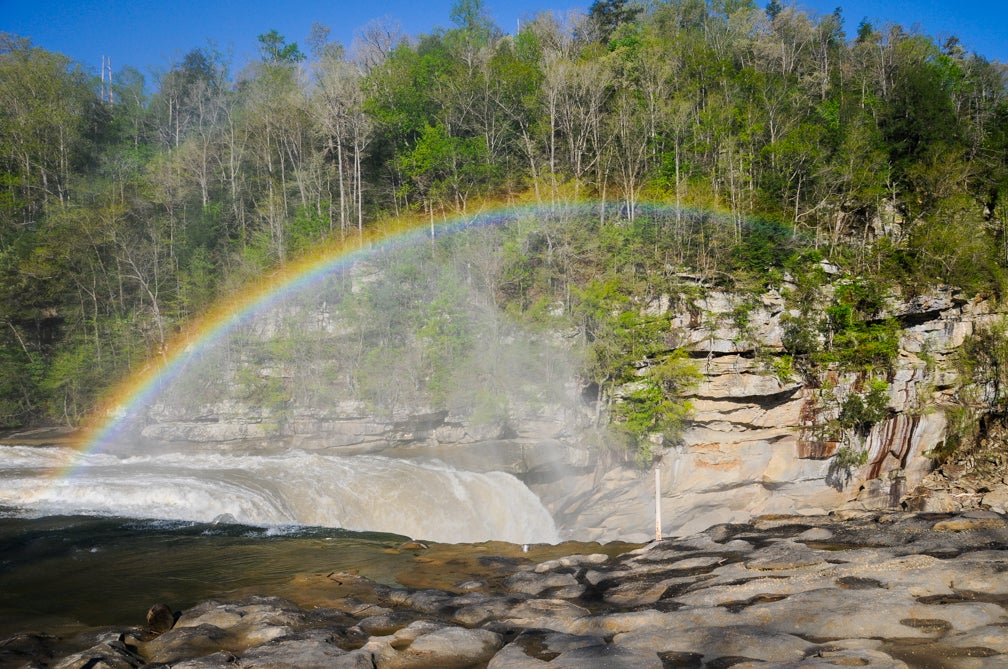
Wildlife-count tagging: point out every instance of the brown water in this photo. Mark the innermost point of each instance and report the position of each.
(64, 575)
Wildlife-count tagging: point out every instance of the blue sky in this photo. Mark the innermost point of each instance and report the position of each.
(151, 34)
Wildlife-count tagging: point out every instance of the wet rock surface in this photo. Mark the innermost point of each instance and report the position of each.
(883, 590)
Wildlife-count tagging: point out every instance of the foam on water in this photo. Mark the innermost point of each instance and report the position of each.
(425, 500)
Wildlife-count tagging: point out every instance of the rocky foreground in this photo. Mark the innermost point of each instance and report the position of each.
(881, 590)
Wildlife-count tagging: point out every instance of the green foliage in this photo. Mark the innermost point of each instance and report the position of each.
(307, 229)
(955, 247)
(865, 346)
(198, 282)
(766, 244)
(274, 49)
(19, 381)
(860, 411)
(261, 375)
(489, 408)
(654, 411)
(595, 277)
(982, 365)
(848, 457)
(446, 338)
(847, 332)
(608, 15)
(472, 17)
(71, 382)
(783, 368)
(884, 155)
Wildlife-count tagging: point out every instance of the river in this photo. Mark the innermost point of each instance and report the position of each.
(82, 545)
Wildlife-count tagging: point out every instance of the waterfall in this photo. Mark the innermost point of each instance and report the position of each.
(424, 500)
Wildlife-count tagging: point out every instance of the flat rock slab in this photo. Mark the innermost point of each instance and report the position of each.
(882, 590)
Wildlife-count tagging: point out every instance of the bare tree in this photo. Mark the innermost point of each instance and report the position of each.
(373, 43)
(338, 104)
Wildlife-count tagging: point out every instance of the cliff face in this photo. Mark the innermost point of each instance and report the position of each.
(755, 444)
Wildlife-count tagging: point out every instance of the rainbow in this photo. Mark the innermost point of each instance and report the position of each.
(136, 391)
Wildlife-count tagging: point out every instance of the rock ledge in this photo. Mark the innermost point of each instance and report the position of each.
(884, 590)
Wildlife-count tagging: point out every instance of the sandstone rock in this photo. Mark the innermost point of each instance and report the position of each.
(969, 524)
(188, 642)
(312, 652)
(554, 614)
(815, 534)
(712, 643)
(992, 638)
(428, 601)
(491, 608)
(830, 613)
(606, 657)
(831, 659)
(536, 582)
(212, 661)
(997, 499)
(671, 561)
(536, 648)
(936, 501)
(218, 615)
(640, 592)
(571, 561)
(886, 590)
(385, 623)
(783, 555)
(470, 586)
(513, 656)
(430, 646)
(109, 653)
(608, 625)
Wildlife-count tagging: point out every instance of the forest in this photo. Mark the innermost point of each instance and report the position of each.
(127, 208)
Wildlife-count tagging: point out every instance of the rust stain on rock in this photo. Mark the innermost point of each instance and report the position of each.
(816, 450)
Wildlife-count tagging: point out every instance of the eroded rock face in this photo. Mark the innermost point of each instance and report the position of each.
(882, 590)
(751, 448)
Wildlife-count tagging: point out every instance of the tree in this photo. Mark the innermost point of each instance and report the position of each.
(277, 119)
(473, 19)
(373, 43)
(339, 107)
(608, 15)
(274, 49)
(47, 110)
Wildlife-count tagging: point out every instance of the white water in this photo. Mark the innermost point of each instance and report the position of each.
(368, 493)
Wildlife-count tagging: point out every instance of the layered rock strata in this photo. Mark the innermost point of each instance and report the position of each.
(754, 444)
(885, 591)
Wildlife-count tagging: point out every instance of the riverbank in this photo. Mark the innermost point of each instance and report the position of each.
(46, 435)
(876, 590)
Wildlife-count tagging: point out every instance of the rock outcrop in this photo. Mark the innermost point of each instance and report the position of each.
(753, 446)
(887, 590)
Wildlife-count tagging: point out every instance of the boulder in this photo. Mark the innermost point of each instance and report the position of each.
(312, 651)
(425, 645)
(111, 652)
(564, 585)
(711, 644)
(881, 589)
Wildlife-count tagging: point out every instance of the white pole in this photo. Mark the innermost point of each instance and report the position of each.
(657, 504)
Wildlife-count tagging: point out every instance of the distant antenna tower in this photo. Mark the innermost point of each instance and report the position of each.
(106, 78)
